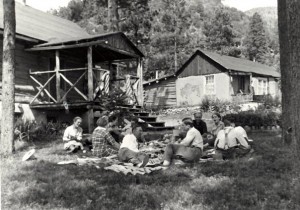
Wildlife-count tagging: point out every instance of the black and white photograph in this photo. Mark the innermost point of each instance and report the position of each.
(150, 104)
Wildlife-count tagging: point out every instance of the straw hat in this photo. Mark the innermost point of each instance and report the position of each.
(29, 155)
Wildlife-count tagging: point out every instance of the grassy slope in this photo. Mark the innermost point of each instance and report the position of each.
(264, 183)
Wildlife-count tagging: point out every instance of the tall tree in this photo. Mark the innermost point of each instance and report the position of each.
(219, 32)
(8, 77)
(256, 40)
(113, 15)
(72, 12)
(169, 34)
(289, 40)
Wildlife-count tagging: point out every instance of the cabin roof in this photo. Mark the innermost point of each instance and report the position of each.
(107, 47)
(107, 39)
(240, 64)
(228, 63)
(42, 26)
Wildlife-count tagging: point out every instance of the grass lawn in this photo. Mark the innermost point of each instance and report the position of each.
(267, 182)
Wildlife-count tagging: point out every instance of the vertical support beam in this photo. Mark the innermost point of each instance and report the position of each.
(251, 87)
(90, 73)
(140, 85)
(57, 68)
(268, 86)
(90, 89)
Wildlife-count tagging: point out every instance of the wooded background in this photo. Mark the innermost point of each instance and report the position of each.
(169, 31)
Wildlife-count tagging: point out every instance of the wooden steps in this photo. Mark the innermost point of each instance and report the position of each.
(147, 121)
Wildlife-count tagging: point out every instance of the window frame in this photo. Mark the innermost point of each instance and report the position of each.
(212, 83)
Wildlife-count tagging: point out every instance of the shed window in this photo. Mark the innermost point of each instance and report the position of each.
(210, 85)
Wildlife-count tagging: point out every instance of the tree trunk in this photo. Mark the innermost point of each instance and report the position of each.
(113, 16)
(8, 77)
(289, 39)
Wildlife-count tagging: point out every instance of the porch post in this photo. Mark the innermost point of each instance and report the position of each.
(140, 85)
(90, 89)
(90, 73)
(57, 68)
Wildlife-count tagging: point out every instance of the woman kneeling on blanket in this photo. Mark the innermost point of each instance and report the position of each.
(73, 136)
(129, 151)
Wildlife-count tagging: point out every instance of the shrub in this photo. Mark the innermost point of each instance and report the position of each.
(255, 118)
(210, 104)
(31, 131)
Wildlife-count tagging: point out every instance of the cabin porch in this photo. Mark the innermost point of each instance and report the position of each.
(81, 71)
(241, 90)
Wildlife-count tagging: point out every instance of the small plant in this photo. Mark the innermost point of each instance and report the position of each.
(31, 131)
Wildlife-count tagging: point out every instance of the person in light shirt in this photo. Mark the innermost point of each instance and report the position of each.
(73, 135)
(129, 151)
(232, 142)
(189, 149)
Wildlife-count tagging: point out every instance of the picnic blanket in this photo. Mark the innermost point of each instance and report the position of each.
(115, 165)
(128, 168)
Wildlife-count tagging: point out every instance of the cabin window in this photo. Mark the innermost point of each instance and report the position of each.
(262, 87)
(210, 85)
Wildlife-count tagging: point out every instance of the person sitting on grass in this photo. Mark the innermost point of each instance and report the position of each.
(129, 151)
(104, 144)
(218, 124)
(189, 149)
(231, 142)
(199, 124)
(73, 136)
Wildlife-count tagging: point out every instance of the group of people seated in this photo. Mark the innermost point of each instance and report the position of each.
(228, 141)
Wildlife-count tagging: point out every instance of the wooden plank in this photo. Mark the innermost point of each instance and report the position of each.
(40, 72)
(105, 46)
(42, 88)
(67, 46)
(73, 86)
(73, 69)
(90, 73)
(57, 68)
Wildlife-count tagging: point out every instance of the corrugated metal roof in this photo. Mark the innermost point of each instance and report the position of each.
(42, 26)
(240, 64)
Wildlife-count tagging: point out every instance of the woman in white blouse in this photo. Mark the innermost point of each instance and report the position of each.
(73, 136)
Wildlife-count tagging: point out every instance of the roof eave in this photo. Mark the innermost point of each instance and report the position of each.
(24, 37)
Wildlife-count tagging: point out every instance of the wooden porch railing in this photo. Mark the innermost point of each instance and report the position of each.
(103, 81)
(102, 84)
(240, 98)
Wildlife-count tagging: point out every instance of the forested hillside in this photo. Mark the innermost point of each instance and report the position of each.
(169, 31)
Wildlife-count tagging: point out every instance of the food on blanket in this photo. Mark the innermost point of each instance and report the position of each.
(67, 162)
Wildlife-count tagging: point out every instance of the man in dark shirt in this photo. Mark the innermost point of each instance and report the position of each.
(199, 124)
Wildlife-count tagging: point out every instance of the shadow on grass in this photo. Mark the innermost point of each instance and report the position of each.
(262, 183)
(81, 187)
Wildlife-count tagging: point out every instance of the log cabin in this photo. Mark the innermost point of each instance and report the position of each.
(60, 67)
(208, 74)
